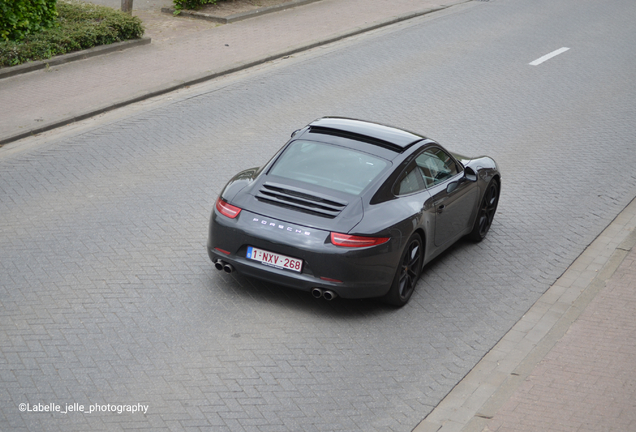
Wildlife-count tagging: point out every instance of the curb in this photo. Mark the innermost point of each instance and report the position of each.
(66, 58)
(209, 76)
(239, 16)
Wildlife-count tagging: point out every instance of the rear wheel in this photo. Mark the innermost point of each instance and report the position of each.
(486, 212)
(407, 274)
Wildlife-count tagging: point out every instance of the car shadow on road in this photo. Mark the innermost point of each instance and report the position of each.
(250, 290)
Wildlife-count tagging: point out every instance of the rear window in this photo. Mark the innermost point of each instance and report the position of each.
(330, 166)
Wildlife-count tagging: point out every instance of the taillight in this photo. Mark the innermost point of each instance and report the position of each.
(347, 240)
(227, 209)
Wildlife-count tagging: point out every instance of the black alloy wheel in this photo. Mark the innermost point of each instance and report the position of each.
(407, 274)
(486, 212)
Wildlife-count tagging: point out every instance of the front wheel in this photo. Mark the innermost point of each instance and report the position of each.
(486, 212)
(407, 274)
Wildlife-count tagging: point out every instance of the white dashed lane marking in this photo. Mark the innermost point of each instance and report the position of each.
(548, 56)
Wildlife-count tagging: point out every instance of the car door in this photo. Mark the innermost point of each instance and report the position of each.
(453, 198)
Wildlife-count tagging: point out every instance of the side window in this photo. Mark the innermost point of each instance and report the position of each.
(436, 166)
(410, 181)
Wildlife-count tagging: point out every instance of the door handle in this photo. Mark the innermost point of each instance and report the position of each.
(441, 208)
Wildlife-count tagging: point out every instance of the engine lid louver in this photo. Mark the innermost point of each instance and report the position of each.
(301, 200)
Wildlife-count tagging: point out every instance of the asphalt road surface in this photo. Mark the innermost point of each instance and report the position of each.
(107, 297)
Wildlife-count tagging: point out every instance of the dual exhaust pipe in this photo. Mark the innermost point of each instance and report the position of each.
(315, 292)
(222, 265)
(326, 294)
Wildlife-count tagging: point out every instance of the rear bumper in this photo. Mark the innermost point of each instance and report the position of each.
(362, 272)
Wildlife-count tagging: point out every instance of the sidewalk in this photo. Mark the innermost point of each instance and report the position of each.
(569, 364)
(184, 51)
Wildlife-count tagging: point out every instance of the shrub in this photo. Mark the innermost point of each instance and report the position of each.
(80, 26)
(179, 5)
(19, 18)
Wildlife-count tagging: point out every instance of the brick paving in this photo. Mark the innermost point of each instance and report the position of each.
(183, 50)
(587, 382)
(568, 364)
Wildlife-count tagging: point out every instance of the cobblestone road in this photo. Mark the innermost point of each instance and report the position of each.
(107, 295)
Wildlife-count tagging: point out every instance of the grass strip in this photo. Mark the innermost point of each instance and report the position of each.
(79, 26)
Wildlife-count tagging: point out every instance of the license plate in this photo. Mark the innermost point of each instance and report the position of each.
(274, 259)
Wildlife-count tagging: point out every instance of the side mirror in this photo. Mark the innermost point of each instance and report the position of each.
(470, 174)
(295, 132)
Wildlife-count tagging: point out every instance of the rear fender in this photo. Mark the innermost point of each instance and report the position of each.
(238, 183)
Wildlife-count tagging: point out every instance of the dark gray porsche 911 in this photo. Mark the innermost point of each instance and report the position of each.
(353, 209)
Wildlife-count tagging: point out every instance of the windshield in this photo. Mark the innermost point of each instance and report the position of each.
(330, 166)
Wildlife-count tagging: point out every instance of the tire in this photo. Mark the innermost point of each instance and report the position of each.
(407, 273)
(486, 212)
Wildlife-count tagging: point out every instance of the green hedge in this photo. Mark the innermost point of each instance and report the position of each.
(79, 26)
(179, 5)
(19, 18)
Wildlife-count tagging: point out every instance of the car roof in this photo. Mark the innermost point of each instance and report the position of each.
(388, 137)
